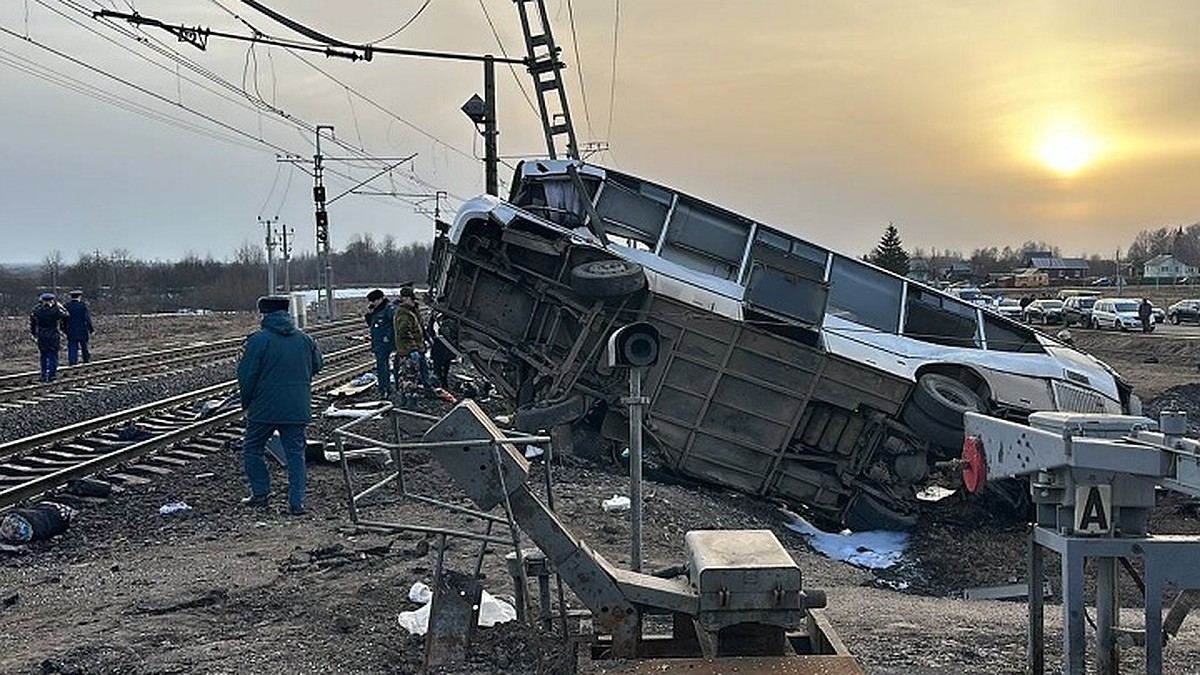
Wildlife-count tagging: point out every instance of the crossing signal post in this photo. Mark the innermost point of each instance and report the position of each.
(635, 347)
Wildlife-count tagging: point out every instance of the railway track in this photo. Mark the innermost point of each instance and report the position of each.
(142, 441)
(22, 389)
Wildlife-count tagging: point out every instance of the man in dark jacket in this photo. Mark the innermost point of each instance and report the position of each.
(79, 328)
(1145, 312)
(383, 342)
(275, 383)
(45, 322)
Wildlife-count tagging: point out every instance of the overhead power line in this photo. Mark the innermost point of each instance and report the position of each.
(579, 65)
(138, 87)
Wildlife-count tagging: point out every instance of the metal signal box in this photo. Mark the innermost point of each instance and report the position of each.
(743, 576)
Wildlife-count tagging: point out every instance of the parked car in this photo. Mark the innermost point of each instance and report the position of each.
(1184, 310)
(1077, 310)
(972, 295)
(1158, 313)
(1118, 313)
(1045, 311)
(1010, 307)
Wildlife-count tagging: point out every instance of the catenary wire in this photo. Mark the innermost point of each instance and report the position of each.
(260, 104)
(404, 25)
(587, 114)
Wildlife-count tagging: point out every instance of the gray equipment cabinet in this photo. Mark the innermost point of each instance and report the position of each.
(1092, 479)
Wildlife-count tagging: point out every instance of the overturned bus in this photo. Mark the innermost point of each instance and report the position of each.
(786, 370)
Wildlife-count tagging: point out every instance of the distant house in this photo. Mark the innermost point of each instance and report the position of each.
(1030, 255)
(1060, 269)
(958, 271)
(1166, 267)
(918, 270)
(1030, 277)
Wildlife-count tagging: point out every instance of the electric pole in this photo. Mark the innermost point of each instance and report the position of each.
(324, 262)
(287, 259)
(267, 223)
(482, 111)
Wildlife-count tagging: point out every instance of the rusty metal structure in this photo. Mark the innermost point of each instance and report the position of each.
(741, 598)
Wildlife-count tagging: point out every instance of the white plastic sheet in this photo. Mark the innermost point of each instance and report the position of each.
(492, 610)
(875, 549)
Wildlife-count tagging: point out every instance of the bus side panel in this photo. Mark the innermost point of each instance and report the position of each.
(737, 405)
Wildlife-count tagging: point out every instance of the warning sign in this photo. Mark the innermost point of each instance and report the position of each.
(1093, 509)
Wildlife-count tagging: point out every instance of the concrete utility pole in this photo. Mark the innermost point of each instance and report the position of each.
(267, 223)
(324, 261)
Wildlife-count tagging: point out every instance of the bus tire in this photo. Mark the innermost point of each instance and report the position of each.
(944, 440)
(866, 513)
(533, 418)
(611, 278)
(945, 399)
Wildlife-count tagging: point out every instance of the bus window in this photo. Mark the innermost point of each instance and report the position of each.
(706, 240)
(637, 211)
(865, 295)
(1003, 336)
(931, 317)
(784, 284)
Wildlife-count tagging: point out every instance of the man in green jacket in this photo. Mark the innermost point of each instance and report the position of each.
(410, 338)
(275, 383)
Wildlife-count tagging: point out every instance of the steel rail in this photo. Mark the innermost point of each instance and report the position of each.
(89, 467)
(117, 362)
(22, 445)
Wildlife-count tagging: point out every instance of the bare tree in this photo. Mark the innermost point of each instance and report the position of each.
(51, 265)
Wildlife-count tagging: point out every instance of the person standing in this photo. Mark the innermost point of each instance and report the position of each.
(440, 332)
(45, 323)
(383, 343)
(410, 338)
(79, 328)
(275, 384)
(1145, 311)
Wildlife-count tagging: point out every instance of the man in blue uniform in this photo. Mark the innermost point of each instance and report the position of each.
(45, 322)
(383, 341)
(275, 383)
(79, 328)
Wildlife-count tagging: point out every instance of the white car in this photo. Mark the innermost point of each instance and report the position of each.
(972, 295)
(1010, 307)
(1117, 313)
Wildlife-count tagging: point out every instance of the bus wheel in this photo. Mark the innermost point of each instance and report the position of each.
(943, 400)
(868, 513)
(607, 278)
(945, 441)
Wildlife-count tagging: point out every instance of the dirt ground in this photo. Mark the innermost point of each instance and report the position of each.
(221, 589)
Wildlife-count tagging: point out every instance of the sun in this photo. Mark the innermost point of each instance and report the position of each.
(1067, 152)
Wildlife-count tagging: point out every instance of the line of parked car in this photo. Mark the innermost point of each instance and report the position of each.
(1087, 309)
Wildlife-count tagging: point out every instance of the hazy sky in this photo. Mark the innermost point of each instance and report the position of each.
(966, 124)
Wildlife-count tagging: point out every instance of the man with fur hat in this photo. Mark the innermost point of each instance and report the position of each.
(79, 328)
(45, 323)
(275, 383)
(383, 343)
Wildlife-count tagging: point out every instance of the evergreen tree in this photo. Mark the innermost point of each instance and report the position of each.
(890, 254)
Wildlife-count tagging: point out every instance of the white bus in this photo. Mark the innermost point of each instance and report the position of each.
(787, 370)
